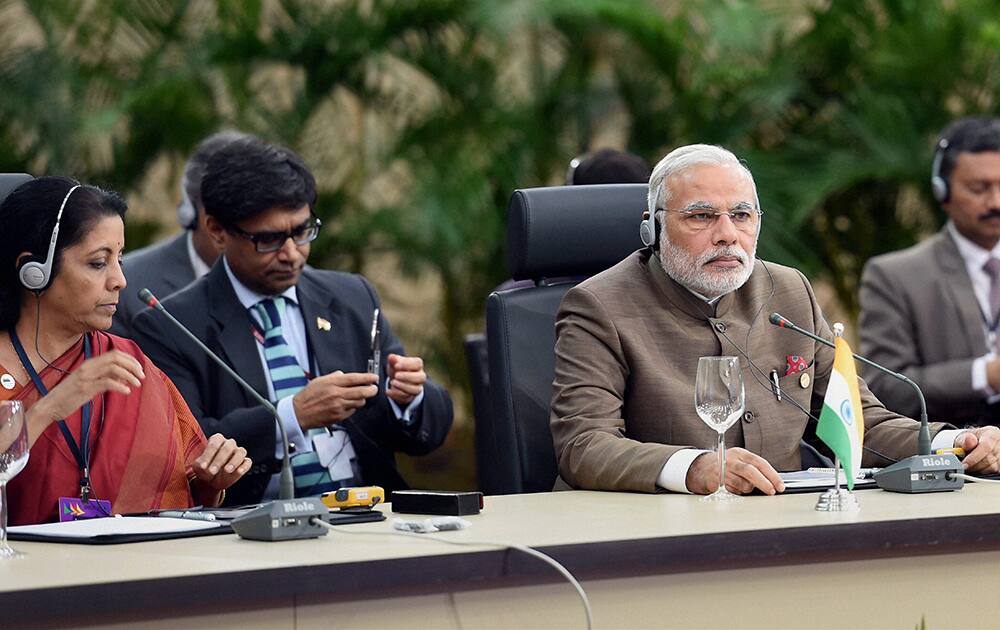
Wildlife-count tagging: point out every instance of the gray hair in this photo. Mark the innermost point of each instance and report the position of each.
(683, 158)
(194, 168)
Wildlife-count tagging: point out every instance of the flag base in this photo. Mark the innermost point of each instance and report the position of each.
(838, 500)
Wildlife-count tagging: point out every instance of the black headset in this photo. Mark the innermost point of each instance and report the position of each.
(34, 274)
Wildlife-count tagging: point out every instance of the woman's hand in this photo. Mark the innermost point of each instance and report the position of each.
(113, 371)
(218, 467)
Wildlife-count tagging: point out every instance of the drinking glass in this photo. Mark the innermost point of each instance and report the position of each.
(719, 400)
(13, 457)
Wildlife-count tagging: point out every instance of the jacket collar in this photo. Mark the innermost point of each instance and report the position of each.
(959, 285)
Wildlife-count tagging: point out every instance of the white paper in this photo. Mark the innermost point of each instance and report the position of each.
(116, 525)
(822, 478)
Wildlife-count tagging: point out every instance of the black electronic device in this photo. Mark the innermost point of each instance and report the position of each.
(375, 356)
(282, 520)
(436, 502)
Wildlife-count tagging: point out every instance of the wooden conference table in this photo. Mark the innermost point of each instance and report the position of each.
(658, 561)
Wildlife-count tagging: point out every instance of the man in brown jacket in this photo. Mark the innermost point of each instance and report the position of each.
(628, 342)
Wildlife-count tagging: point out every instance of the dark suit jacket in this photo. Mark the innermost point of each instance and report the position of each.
(920, 317)
(627, 348)
(163, 268)
(210, 309)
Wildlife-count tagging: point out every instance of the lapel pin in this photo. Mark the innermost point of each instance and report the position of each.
(322, 324)
(804, 380)
(7, 381)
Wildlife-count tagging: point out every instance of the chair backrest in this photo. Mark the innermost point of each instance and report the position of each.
(560, 232)
(10, 181)
(479, 384)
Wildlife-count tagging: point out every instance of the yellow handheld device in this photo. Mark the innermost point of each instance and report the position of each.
(960, 452)
(365, 496)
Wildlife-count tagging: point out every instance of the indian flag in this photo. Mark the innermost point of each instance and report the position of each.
(841, 424)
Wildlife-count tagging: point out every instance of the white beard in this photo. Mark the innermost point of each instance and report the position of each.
(690, 272)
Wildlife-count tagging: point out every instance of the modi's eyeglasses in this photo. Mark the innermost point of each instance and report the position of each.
(697, 219)
(266, 242)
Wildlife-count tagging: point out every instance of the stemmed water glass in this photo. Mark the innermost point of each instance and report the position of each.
(13, 458)
(719, 400)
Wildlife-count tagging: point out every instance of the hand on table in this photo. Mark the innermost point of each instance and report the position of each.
(745, 472)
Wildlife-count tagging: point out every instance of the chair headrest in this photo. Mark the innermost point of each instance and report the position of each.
(10, 181)
(572, 230)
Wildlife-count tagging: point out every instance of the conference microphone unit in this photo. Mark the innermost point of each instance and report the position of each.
(919, 473)
(283, 520)
(286, 488)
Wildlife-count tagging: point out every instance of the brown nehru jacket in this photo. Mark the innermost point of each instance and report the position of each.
(627, 348)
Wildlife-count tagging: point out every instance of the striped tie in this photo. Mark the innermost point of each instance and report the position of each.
(288, 378)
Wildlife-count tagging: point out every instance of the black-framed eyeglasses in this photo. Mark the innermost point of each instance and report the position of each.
(265, 242)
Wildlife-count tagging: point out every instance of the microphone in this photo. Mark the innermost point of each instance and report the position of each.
(919, 473)
(287, 485)
(924, 437)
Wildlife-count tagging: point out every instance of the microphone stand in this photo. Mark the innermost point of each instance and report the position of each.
(924, 435)
(286, 488)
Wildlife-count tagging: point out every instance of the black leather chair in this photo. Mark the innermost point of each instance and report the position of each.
(563, 233)
(479, 384)
(10, 181)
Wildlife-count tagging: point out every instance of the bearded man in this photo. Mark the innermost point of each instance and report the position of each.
(628, 342)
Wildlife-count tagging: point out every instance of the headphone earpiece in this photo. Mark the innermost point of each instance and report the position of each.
(35, 275)
(649, 231)
(939, 186)
(187, 216)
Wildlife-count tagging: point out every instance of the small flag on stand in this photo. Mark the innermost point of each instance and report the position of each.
(841, 423)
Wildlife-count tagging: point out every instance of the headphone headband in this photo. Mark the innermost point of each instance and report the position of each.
(35, 276)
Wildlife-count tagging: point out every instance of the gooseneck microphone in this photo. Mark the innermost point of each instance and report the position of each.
(919, 473)
(924, 436)
(286, 488)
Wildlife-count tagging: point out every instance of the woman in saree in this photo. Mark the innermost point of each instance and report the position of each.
(103, 422)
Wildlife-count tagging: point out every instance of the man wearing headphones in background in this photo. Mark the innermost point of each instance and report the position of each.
(168, 266)
(931, 311)
(628, 342)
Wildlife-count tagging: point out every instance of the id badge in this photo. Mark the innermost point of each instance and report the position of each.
(335, 453)
(74, 509)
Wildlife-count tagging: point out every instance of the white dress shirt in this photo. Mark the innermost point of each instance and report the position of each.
(197, 264)
(975, 257)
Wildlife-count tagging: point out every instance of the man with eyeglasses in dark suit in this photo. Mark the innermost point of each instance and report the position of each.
(300, 336)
